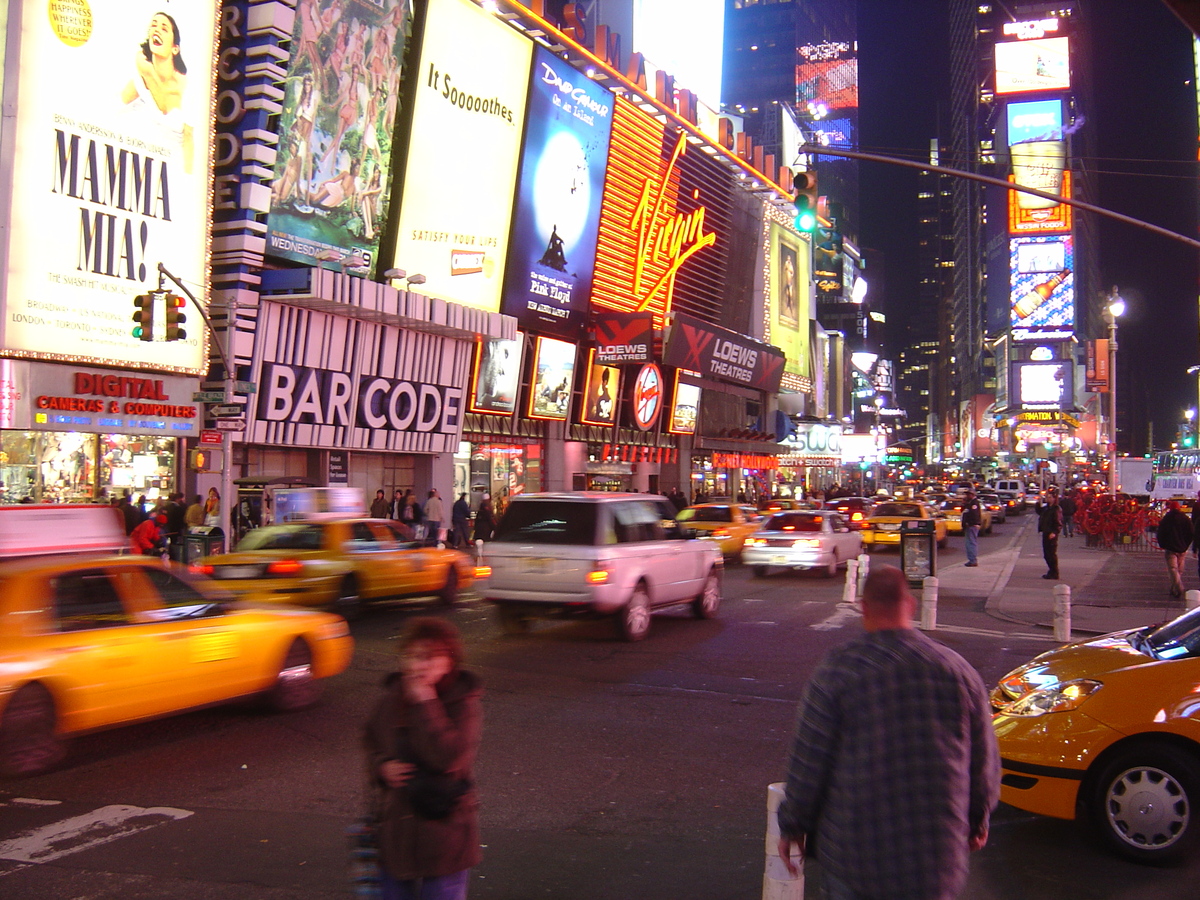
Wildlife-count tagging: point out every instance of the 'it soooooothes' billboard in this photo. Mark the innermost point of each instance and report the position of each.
(789, 298)
(461, 167)
(1042, 288)
(548, 279)
(329, 198)
(110, 176)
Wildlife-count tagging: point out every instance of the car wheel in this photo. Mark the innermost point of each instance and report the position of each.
(449, 591)
(511, 621)
(1142, 803)
(831, 569)
(943, 542)
(760, 571)
(708, 601)
(633, 621)
(348, 603)
(295, 686)
(29, 740)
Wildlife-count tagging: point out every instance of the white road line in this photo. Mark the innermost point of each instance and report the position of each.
(988, 632)
(843, 614)
(100, 826)
(30, 801)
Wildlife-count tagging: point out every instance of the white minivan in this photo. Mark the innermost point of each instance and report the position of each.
(1011, 488)
(600, 553)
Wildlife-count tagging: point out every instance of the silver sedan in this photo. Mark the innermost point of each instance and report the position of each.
(802, 539)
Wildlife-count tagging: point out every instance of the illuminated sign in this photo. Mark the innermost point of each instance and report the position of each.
(548, 278)
(623, 337)
(461, 164)
(816, 439)
(1036, 28)
(1096, 369)
(1044, 385)
(111, 175)
(789, 298)
(1056, 417)
(1026, 218)
(718, 353)
(329, 197)
(685, 408)
(553, 376)
(497, 376)
(1042, 288)
(600, 393)
(647, 396)
(744, 461)
(827, 79)
(1036, 65)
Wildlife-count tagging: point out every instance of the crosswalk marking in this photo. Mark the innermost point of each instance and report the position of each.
(100, 826)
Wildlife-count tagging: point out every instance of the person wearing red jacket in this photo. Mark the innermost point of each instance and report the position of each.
(147, 537)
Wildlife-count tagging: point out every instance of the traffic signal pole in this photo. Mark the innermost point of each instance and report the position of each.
(227, 486)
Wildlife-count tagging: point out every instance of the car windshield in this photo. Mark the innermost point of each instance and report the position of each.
(707, 514)
(952, 505)
(1178, 638)
(794, 521)
(909, 510)
(549, 522)
(283, 537)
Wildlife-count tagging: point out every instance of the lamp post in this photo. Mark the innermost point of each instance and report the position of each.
(880, 441)
(1116, 308)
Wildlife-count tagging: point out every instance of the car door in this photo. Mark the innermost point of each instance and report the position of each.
(368, 556)
(407, 560)
(643, 547)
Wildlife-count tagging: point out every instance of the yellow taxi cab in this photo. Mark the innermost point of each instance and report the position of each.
(337, 561)
(729, 524)
(90, 640)
(883, 526)
(1108, 730)
(952, 509)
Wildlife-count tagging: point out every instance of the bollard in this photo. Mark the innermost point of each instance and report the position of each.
(929, 598)
(778, 882)
(1062, 613)
(864, 569)
(1191, 599)
(849, 594)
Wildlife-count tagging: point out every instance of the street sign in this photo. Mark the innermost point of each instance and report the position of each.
(208, 396)
(231, 424)
(211, 437)
(244, 387)
(229, 411)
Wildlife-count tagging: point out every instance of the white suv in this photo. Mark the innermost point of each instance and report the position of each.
(596, 552)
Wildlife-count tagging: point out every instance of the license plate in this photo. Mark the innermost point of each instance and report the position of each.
(236, 572)
(778, 560)
(536, 564)
(888, 526)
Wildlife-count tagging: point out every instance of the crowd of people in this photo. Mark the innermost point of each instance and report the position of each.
(158, 528)
(427, 521)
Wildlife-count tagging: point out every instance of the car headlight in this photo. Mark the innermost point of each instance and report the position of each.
(1062, 697)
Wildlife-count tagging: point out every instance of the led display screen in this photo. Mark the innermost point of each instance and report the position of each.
(1044, 385)
(1037, 65)
(1042, 288)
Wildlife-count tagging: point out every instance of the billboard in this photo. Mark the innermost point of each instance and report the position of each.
(1036, 65)
(497, 376)
(461, 163)
(718, 353)
(623, 337)
(553, 375)
(111, 175)
(1038, 150)
(600, 393)
(827, 77)
(1042, 288)
(329, 197)
(1044, 385)
(552, 248)
(685, 407)
(789, 298)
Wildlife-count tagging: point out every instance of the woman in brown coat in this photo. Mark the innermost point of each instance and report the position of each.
(429, 718)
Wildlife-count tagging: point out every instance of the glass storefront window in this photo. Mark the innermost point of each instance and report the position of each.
(75, 467)
(144, 465)
(505, 470)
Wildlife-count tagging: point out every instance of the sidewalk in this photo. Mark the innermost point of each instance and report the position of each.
(1110, 589)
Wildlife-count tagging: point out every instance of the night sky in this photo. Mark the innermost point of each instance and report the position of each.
(1146, 141)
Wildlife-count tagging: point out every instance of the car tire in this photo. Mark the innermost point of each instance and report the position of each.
(760, 571)
(29, 739)
(348, 602)
(708, 601)
(633, 619)
(1144, 803)
(449, 592)
(830, 571)
(511, 621)
(295, 686)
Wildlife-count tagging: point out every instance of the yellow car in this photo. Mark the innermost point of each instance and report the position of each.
(337, 563)
(952, 511)
(729, 524)
(884, 524)
(1108, 730)
(90, 642)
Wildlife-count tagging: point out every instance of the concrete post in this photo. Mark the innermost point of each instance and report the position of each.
(849, 592)
(1062, 613)
(1191, 599)
(929, 600)
(778, 882)
(864, 569)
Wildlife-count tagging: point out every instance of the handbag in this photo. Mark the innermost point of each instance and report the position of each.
(433, 795)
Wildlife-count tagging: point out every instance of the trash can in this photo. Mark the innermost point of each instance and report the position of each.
(203, 540)
(918, 549)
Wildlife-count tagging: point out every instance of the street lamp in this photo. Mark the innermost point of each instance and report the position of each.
(880, 441)
(1116, 308)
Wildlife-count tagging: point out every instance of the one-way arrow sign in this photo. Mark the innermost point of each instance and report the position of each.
(229, 411)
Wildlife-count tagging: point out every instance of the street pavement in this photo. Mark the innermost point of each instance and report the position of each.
(1111, 589)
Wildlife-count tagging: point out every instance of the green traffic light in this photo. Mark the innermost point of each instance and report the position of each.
(805, 221)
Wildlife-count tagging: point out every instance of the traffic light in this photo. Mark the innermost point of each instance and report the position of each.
(203, 459)
(144, 316)
(175, 318)
(805, 201)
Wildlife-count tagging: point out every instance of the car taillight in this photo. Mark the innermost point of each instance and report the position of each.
(720, 533)
(597, 576)
(197, 569)
(856, 517)
(483, 571)
(285, 567)
(806, 542)
(756, 542)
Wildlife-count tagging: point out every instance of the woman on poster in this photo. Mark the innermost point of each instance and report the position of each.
(159, 82)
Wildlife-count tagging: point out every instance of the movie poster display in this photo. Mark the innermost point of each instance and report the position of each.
(685, 407)
(553, 375)
(111, 176)
(552, 249)
(329, 198)
(461, 163)
(790, 313)
(497, 376)
(1042, 288)
(600, 393)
